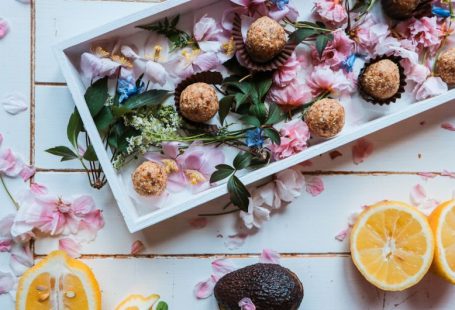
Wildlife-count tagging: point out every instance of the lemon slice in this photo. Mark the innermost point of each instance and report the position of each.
(392, 245)
(58, 282)
(442, 221)
(138, 302)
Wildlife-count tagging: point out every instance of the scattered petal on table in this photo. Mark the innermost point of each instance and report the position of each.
(71, 247)
(137, 247)
(4, 28)
(27, 172)
(235, 241)
(223, 266)
(342, 234)
(6, 282)
(448, 126)
(14, 103)
(38, 189)
(314, 185)
(361, 150)
(427, 175)
(198, 222)
(418, 195)
(446, 173)
(269, 257)
(204, 289)
(246, 304)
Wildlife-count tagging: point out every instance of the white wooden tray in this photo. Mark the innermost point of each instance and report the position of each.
(136, 217)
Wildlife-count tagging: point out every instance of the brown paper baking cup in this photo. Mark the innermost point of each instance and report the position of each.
(273, 64)
(209, 77)
(400, 91)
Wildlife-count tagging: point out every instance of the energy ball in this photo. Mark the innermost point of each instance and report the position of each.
(199, 102)
(266, 38)
(445, 66)
(149, 179)
(400, 9)
(325, 118)
(381, 80)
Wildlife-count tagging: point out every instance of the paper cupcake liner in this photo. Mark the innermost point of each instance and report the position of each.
(208, 77)
(273, 64)
(400, 91)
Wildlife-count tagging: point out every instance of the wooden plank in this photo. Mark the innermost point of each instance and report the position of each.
(308, 225)
(57, 20)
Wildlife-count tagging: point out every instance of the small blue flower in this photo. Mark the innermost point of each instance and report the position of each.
(254, 138)
(348, 64)
(281, 4)
(441, 12)
(127, 88)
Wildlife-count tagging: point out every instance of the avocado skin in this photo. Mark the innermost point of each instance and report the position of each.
(269, 286)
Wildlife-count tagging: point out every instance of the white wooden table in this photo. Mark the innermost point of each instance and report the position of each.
(177, 256)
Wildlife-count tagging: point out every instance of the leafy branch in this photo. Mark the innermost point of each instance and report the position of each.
(308, 31)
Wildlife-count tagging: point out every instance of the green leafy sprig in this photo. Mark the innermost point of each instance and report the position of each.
(168, 28)
(309, 31)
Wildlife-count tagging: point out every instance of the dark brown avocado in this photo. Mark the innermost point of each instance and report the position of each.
(269, 286)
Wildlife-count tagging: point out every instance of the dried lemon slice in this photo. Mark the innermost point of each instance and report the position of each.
(392, 245)
(138, 302)
(442, 221)
(58, 282)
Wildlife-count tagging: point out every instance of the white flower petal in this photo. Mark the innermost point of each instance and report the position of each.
(14, 103)
(7, 282)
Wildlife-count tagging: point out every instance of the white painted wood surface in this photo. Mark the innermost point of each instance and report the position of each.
(177, 256)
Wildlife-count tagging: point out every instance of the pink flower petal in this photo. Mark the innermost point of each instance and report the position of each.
(448, 126)
(235, 241)
(269, 257)
(7, 282)
(21, 258)
(171, 149)
(38, 189)
(71, 247)
(222, 267)
(418, 195)
(14, 103)
(137, 247)
(361, 150)
(427, 175)
(27, 172)
(314, 185)
(4, 28)
(446, 173)
(204, 289)
(341, 236)
(246, 304)
(198, 222)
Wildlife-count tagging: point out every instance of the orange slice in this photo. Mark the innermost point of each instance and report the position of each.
(442, 221)
(58, 282)
(392, 245)
(138, 302)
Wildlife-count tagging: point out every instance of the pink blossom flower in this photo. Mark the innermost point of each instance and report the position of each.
(4, 28)
(448, 126)
(314, 185)
(6, 239)
(289, 184)
(369, 33)
(294, 137)
(433, 86)
(211, 37)
(415, 72)
(323, 79)
(337, 50)
(27, 172)
(246, 304)
(137, 247)
(269, 257)
(94, 67)
(70, 246)
(10, 165)
(331, 11)
(393, 46)
(189, 62)
(287, 73)
(361, 150)
(425, 33)
(38, 189)
(291, 96)
(257, 215)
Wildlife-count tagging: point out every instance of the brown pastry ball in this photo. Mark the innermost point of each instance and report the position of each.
(199, 102)
(266, 38)
(325, 118)
(400, 9)
(445, 67)
(149, 179)
(381, 80)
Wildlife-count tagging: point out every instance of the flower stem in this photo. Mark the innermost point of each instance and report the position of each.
(221, 213)
(16, 204)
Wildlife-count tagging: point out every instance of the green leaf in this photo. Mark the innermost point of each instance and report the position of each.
(63, 151)
(90, 154)
(301, 35)
(273, 134)
(96, 96)
(222, 172)
(139, 81)
(238, 193)
(148, 98)
(321, 43)
(242, 160)
(119, 111)
(162, 306)
(251, 120)
(276, 115)
(263, 86)
(245, 87)
(259, 111)
(240, 99)
(233, 66)
(225, 106)
(74, 128)
(104, 119)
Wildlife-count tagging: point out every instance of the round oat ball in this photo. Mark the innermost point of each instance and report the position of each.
(199, 102)
(149, 179)
(400, 9)
(445, 67)
(266, 38)
(381, 80)
(325, 118)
